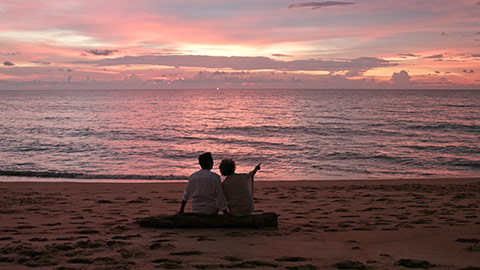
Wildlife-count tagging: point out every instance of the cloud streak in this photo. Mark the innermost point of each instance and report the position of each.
(101, 52)
(408, 54)
(317, 5)
(436, 56)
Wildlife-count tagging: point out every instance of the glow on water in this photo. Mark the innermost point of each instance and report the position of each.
(296, 134)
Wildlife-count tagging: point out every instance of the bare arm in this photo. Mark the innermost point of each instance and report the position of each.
(257, 168)
(221, 203)
(185, 198)
(252, 174)
(182, 207)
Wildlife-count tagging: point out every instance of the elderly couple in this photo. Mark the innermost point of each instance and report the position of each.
(209, 194)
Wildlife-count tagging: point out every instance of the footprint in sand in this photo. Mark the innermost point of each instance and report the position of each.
(348, 264)
(161, 245)
(303, 267)
(291, 259)
(413, 263)
(232, 259)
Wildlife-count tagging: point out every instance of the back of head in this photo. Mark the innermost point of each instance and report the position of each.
(206, 161)
(227, 167)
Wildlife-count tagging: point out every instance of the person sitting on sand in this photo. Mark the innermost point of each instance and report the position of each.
(205, 189)
(238, 188)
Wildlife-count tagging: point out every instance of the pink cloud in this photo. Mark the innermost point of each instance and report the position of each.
(349, 38)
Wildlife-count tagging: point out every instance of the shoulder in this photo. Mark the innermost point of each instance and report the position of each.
(194, 175)
(205, 174)
(241, 176)
(214, 175)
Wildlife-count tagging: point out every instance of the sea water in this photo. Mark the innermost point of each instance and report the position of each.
(295, 134)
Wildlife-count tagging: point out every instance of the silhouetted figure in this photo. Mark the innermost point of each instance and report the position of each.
(238, 188)
(205, 189)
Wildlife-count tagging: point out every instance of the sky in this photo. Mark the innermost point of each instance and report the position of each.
(232, 44)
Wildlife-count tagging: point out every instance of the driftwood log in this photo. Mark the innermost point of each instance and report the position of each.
(210, 221)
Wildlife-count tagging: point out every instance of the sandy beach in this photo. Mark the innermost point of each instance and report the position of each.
(390, 224)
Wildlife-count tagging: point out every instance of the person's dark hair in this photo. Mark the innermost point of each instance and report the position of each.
(227, 167)
(206, 161)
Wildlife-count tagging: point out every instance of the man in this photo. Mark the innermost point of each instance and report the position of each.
(205, 189)
(238, 188)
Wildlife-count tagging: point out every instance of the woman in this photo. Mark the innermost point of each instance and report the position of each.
(238, 188)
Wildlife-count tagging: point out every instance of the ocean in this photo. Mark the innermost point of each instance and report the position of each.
(295, 134)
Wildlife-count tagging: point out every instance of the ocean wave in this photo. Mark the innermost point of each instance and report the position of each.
(375, 157)
(72, 175)
(459, 106)
(444, 149)
(267, 130)
(460, 162)
(295, 134)
(446, 127)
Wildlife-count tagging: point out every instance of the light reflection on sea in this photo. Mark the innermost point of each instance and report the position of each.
(296, 134)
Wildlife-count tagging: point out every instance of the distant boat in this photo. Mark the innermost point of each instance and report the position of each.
(218, 88)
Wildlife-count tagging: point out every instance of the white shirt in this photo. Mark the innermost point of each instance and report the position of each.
(239, 194)
(205, 189)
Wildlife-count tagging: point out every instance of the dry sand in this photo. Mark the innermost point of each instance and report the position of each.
(322, 225)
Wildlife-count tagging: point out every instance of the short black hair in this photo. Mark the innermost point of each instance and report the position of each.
(206, 161)
(227, 167)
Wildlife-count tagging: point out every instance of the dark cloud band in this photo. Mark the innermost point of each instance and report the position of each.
(244, 63)
(436, 56)
(101, 52)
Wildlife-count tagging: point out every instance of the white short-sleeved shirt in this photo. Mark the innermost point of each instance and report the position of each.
(205, 189)
(239, 194)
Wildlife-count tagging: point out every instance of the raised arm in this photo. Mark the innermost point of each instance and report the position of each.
(252, 174)
(257, 168)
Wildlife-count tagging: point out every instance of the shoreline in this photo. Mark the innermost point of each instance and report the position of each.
(322, 224)
(21, 179)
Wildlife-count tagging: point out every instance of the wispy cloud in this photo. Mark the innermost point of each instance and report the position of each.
(281, 55)
(42, 62)
(317, 5)
(101, 52)
(11, 53)
(436, 56)
(408, 54)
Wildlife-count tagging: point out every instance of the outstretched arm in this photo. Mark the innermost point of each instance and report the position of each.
(257, 168)
(252, 174)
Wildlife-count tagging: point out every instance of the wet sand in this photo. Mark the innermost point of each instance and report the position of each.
(389, 224)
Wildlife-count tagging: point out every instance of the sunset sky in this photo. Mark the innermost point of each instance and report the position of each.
(207, 44)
